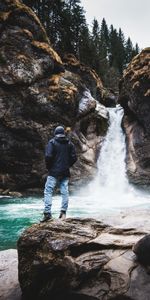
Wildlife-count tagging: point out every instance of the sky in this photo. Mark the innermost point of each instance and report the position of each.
(132, 16)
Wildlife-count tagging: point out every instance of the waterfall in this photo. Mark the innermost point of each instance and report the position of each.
(111, 163)
(110, 189)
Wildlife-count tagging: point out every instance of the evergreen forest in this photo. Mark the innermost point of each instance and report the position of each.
(102, 48)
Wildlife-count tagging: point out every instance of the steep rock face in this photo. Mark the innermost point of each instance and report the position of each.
(89, 77)
(80, 259)
(37, 94)
(135, 98)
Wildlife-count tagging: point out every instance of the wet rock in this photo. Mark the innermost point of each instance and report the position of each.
(38, 92)
(110, 98)
(140, 284)
(5, 192)
(134, 97)
(10, 193)
(9, 285)
(121, 297)
(86, 104)
(78, 258)
(15, 194)
(142, 250)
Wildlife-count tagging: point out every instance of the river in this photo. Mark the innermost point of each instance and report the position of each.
(109, 193)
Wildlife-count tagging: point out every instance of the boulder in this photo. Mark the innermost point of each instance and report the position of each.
(9, 285)
(135, 99)
(121, 297)
(79, 259)
(142, 250)
(110, 98)
(38, 92)
(89, 77)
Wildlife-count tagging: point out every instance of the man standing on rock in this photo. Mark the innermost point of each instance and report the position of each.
(60, 155)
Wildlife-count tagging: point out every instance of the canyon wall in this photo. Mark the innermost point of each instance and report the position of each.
(135, 99)
(38, 92)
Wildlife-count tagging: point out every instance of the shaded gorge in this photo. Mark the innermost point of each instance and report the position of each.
(108, 194)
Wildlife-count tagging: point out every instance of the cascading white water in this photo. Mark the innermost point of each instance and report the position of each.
(111, 189)
(111, 163)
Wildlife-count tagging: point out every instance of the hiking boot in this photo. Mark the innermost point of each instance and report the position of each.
(62, 215)
(47, 216)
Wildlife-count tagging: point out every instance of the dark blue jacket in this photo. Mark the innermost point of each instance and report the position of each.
(60, 155)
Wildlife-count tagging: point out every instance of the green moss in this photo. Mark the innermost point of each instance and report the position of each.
(16, 6)
(105, 93)
(23, 8)
(47, 49)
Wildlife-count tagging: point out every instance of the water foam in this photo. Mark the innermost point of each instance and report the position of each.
(110, 189)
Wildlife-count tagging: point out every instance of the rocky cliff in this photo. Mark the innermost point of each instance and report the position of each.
(135, 98)
(81, 259)
(38, 92)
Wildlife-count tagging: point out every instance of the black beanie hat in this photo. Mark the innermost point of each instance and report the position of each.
(59, 130)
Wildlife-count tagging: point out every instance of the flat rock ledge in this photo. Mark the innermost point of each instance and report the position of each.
(9, 285)
(81, 259)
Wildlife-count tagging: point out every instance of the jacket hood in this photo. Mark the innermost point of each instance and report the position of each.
(61, 138)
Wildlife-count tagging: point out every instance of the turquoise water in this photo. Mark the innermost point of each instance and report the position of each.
(16, 214)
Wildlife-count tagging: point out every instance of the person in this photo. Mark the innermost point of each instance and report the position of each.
(60, 155)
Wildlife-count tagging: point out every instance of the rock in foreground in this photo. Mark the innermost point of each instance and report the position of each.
(9, 285)
(80, 259)
(142, 250)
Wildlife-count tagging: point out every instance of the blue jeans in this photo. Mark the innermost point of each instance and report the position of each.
(48, 193)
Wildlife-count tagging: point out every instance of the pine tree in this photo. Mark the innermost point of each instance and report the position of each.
(78, 24)
(95, 46)
(129, 50)
(104, 41)
(105, 50)
(96, 34)
(121, 55)
(104, 34)
(135, 50)
(113, 36)
(86, 47)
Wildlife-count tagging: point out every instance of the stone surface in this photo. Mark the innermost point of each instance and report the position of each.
(88, 76)
(38, 92)
(110, 98)
(142, 250)
(80, 259)
(131, 217)
(135, 98)
(140, 284)
(9, 285)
